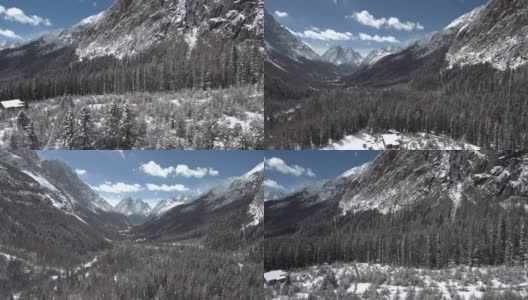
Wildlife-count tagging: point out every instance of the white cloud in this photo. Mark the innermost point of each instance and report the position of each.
(18, 15)
(9, 34)
(367, 19)
(325, 35)
(153, 169)
(80, 172)
(377, 38)
(281, 14)
(280, 166)
(184, 170)
(273, 184)
(167, 188)
(118, 187)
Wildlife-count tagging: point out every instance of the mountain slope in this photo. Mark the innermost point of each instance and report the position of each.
(374, 55)
(492, 35)
(40, 216)
(165, 205)
(290, 64)
(224, 210)
(400, 181)
(134, 34)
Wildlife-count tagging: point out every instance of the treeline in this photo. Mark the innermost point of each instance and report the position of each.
(425, 236)
(172, 66)
(477, 104)
(135, 272)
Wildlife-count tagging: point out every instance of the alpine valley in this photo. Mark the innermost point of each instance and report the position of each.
(61, 240)
(150, 74)
(461, 87)
(408, 225)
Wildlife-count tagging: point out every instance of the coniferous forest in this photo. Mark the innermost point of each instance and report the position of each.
(461, 104)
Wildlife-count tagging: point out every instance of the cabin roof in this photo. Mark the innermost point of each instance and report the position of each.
(12, 103)
(390, 139)
(275, 275)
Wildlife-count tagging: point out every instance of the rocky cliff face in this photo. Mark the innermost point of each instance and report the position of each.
(399, 180)
(495, 35)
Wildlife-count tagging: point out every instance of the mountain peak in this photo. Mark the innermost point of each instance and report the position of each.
(339, 55)
(130, 206)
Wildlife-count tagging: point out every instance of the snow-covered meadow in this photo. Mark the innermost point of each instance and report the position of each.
(375, 281)
(408, 141)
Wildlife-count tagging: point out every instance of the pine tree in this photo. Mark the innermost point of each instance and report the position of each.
(111, 132)
(23, 120)
(85, 135)
(34, 143)
(128, 129)
(68, 130)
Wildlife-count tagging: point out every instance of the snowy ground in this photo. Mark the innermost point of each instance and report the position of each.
(366, 281)
(408, 141)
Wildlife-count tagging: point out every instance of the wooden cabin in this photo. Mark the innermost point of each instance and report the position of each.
(11, 104)
(391, 141)
(274, 277)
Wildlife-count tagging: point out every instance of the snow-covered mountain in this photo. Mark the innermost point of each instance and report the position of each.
(402, 180)
(494, 34)
(238, 199)
(339, 55)
(279, 39)
(376, 54)
(182, 30)
(131, 27)
(135, 209)
(289, 59)
(46, 208)
(165, 205)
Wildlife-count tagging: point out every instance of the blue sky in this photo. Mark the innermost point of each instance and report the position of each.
(155, 175)
(23, 20)
(366, 24)
(288, 171)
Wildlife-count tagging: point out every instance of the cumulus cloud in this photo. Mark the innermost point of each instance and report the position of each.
(377, 38)
(80, 172)
(18, 15)
(154, 169)
(118, 187)
(279, 165)
(167, 188)
(325, 35)
(9, 34)
(281, 14)
(273, 184)
(184, 170)
(367, 19)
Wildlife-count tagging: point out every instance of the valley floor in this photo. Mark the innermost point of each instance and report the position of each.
(374, 281)
(137, 270)
(215, 119)
(408, 141)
